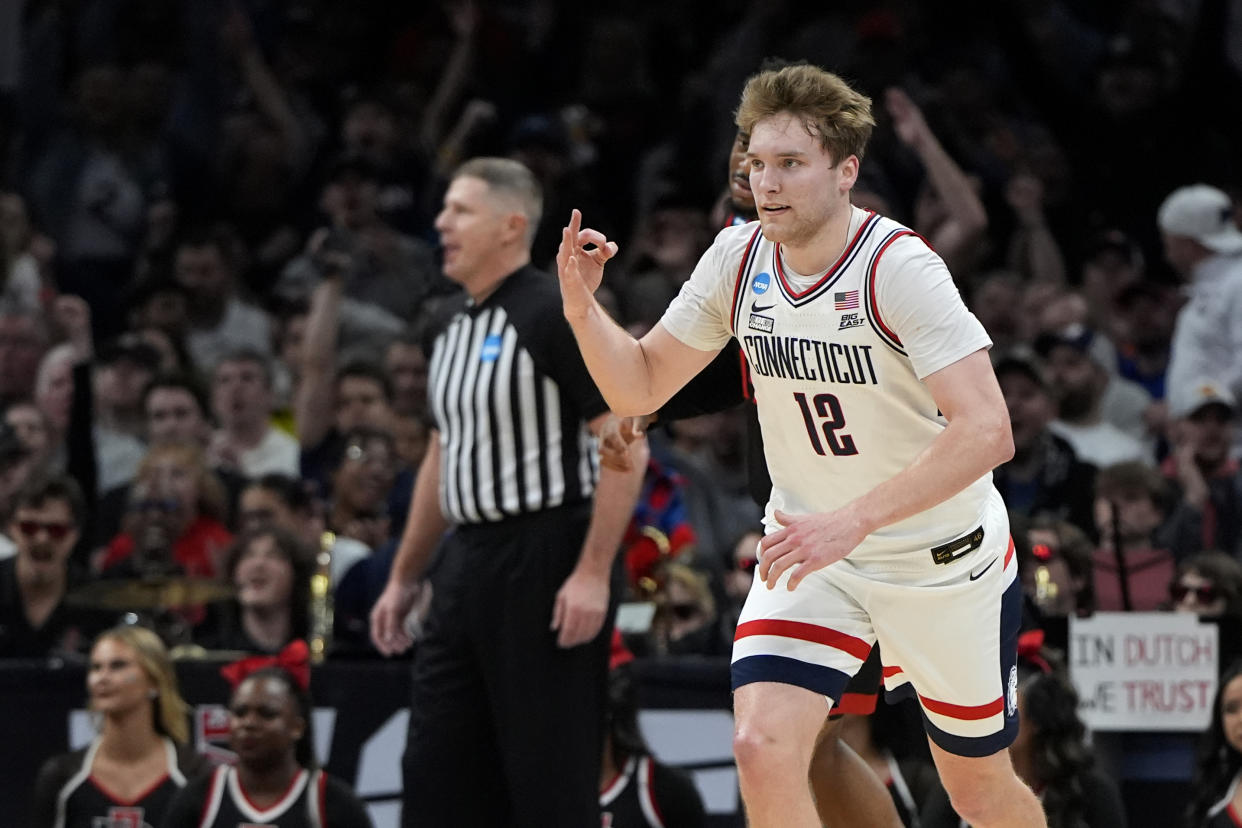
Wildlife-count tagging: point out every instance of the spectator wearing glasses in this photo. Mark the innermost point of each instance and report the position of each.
(1208, 584)
(34, 619)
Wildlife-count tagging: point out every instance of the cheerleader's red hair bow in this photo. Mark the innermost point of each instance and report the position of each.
(294, 659)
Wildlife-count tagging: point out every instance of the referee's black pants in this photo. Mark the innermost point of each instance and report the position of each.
(506, 728)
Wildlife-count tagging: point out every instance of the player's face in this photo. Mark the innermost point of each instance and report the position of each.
(739, 175)
(796, 184)
(264, 723)
(1231, 712)
(115, 680)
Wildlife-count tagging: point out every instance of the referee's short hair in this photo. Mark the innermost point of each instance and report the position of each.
(509, 178)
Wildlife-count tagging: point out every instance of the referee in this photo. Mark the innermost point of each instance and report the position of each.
(510, 678)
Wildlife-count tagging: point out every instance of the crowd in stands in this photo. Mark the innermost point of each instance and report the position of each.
(218, 264)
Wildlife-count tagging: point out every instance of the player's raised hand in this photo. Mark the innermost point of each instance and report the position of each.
(580, 264)
(807, 542)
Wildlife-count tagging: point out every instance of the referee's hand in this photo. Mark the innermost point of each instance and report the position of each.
(580, 606)
(389, 633)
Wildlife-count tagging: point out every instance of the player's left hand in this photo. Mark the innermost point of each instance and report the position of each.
(808, 542)
(580, 606)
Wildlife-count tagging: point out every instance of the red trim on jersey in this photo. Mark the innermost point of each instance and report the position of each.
(651, 799)
(323, 799)
(858, 704)
(889, 672)
(1008, 555)
(963, 712)
(845, 254)
(741, 271)
(875, 263)
(748, 392)
(122, 801)
(805, 632)
(1234, 815)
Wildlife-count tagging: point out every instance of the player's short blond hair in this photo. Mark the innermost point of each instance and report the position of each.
(829, 108)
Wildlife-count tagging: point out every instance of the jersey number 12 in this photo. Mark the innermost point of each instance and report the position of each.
(824, 411)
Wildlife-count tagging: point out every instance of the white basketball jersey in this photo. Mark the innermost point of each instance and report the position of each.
(837, 362)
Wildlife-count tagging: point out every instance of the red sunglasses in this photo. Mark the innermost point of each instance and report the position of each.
(1205, 594)
(55, 531)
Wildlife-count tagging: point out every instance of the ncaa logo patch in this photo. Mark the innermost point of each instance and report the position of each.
(491, 348)
(762, 282)
(1011, 694)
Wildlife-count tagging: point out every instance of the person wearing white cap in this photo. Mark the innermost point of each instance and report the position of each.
(1208, 510)
(1203, 243)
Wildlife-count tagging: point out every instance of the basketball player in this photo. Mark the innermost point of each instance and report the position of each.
(882, 420)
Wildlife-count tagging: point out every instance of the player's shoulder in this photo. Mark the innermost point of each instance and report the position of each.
(896, 245)
(737, 237)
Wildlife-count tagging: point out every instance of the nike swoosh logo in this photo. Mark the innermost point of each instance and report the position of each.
(974, 576)
(760, 308)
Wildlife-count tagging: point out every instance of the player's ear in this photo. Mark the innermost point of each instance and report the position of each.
(849, 172)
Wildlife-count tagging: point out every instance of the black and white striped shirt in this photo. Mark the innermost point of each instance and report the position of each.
(511, 397)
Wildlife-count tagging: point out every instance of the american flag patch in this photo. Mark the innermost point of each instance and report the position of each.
(847, 300)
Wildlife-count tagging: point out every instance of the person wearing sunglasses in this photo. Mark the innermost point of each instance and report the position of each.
(34, 618)
(1208, 584)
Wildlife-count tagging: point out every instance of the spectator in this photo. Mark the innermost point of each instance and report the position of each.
(176, 414)
(1208, 584)
(1045, 476)
(271, 571)
(1130, 571)
(1218, 769)
(220, 321)
(140, 756)
(241, 397)
(361, 484)
(123, 369)
(406, 365)
(1143, 331)
(30, 427)
(35, 621)
(17, 465)
(1204, 245)
(1112, 265)
(390, 275)
(23, 341)
(177, 499)
(1103, 426)
(1056, 569)
(21, 283)
(1207, 481)
(686, 622)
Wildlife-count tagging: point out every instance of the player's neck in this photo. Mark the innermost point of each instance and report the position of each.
(267, 784)
(820, 251)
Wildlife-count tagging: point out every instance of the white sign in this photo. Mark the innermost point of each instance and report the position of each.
(1144, 670)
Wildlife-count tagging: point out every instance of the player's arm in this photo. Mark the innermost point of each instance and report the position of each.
(635, 376)
(976, 440)
(582, 601)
